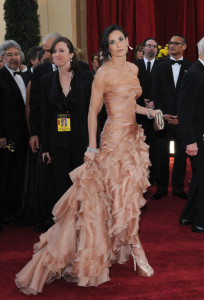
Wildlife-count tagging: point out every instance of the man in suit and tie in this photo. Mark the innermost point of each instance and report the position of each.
(35, 91)
(13, 128)
(146, 67)
(165, 87)
(191, 125)
(48, 193)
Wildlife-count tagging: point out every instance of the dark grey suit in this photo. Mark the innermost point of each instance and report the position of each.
(191, 125)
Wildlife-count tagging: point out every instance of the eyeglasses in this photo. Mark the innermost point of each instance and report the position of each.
(174, 43)
(9, 55)
(151, 46)
(47, 50)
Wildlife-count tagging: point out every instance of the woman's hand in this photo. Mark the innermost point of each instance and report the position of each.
(46, 158)
(153, 112)
(89, 158)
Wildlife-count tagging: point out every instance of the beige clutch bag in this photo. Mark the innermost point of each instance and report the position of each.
(158, 121)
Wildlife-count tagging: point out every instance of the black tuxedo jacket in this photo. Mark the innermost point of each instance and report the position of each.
(12, 108)
(191, 106)
(35, 97)
(52, 105)
(164, 92)
(145, 81)
(27, 76)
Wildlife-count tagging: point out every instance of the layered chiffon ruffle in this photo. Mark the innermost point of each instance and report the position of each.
(96, 220)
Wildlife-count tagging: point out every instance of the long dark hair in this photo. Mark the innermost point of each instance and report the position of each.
(74, 62)
(105, 39)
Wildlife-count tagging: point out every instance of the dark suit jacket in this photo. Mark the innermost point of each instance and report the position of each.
(35, 97)
(12, 108)
(145, 81)
(191, 106)
(164, 92)
(146, 84)
(79, 97)
(26, 76)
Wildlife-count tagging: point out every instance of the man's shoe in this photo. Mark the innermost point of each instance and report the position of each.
(18, 223)
(45, 226)
(181, 195)
(158, 196)
(184, 221)
(197, 229)
(7, 221)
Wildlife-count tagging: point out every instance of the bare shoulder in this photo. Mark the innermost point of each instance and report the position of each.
(133, 68)
(102, 75)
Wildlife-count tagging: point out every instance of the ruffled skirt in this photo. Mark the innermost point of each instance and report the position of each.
(96, 220)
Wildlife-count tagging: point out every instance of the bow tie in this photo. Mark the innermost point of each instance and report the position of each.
(16, 73)
(176, 62)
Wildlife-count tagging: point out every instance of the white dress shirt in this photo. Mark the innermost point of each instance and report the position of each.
(19, 80)
(202, 61)
(176, 70)
(54, 68)
(151, 61)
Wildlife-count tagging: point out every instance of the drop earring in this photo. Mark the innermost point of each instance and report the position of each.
(130, 47)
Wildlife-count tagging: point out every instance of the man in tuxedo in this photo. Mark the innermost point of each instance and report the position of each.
(191, 125)
(13, 128)
(146, 67)
(165, 87)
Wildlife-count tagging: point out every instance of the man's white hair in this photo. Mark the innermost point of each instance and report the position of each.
(200, 45)
(50, 36)
(9, 44)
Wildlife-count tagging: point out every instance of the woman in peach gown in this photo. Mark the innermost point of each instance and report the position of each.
(97, 219)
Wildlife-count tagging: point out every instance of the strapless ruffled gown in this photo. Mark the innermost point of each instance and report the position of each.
(97, 219)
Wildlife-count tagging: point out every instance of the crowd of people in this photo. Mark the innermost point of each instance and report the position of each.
(52, 109)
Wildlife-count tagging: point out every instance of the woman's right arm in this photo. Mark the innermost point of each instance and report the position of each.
(96, 104)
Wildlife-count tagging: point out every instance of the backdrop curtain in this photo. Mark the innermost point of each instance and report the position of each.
(143, 18)
(135, 16)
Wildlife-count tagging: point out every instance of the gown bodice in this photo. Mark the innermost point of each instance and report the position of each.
(120, 101)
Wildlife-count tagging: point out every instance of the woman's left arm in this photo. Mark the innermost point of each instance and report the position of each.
(146, 111)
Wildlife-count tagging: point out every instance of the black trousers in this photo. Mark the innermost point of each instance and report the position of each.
(171, 132)
(194, 208)
(149, 132)
(12, 176)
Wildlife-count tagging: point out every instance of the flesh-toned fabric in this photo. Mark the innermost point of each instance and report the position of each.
(97, 219)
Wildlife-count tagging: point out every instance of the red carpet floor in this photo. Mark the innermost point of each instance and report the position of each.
(176, 254)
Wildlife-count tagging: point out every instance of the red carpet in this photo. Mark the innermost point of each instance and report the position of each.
(176, 254)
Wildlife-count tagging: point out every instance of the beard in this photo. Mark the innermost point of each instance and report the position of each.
(151, 53)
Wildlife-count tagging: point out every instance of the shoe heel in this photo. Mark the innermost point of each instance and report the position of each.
(135, 264)
(143, 270)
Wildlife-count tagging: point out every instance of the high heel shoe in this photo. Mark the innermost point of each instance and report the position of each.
(142, 269)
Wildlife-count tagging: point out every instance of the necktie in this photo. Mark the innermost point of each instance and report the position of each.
(148, 68)
(176, 62)
(16, 73)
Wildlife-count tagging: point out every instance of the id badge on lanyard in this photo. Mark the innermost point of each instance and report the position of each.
(63, 122)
